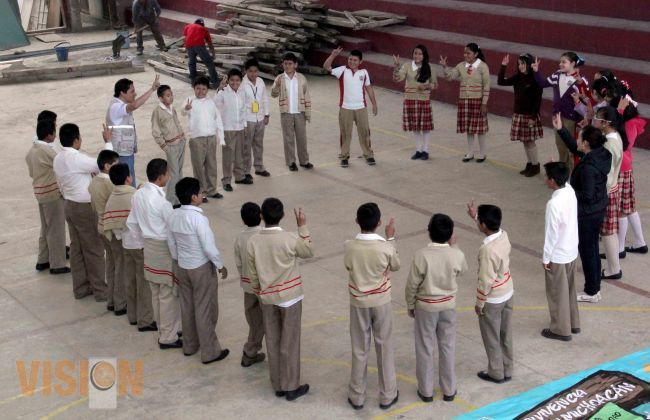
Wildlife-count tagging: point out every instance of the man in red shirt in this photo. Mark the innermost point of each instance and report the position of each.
(196, 36)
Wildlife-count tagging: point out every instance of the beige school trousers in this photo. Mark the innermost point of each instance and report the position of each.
(496, 331)
(51, 242)
(138, 294)
(232, 156)
(203, 152)
(563, 152)
(561, 296)
(117, 290)
(199, 310)
(255, 320)
(175, 156)
(366, 323)
(109, 266)
(282, 327)
(166, 311)
(347, 118)
(435, 329)
(253, 142)
(294, 136)
(86, 251)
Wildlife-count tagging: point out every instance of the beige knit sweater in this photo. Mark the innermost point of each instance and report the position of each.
(411, 91)
(39, 163)
(473, 84)
(494, 279)
(279, 89)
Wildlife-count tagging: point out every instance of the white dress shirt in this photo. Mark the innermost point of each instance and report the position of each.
(204, 118)
(190, 239)
(561, 240)
(292, 93)
(74, 171)
(232, 106)
(256, 92)
(507, 296)
(150, 213)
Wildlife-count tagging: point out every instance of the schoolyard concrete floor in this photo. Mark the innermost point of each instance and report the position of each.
(42, 321)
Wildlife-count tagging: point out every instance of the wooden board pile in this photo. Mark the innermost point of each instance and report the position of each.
(267, 29)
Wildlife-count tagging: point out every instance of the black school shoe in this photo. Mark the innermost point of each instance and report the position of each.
(245, 181)
(616, 276)
(416, 156)
(249, 176)
(298, 392)
(227, 187)
(175, 345)
(546, 332)
(486, 377)
(42, 266)
(120, 312)
(371, 161)
(355, 406)
(250, 361)
(449, 398)
(390, 404)
(575, 330)
(640, 250)
(293, 167)
(307, 165)
(60, 270)
(264, 173)
(224, 353)
(280, 394)
(151, 327)
(423, 398)
(344, 163)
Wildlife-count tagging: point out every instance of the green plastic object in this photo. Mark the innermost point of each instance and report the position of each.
(12, 34)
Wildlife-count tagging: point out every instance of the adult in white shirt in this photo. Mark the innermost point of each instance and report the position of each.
(191, 244)
(74, 172)
(560, 254)
(119, 117)
(149, 218)
(257, 118)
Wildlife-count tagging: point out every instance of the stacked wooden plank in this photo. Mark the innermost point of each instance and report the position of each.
(268, 29)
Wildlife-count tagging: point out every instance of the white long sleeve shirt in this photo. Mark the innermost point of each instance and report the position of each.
(204, 118)
(190, 239)
(561, 241)
(74, 171)
(150, 213)
(256, 92)
(232, 106)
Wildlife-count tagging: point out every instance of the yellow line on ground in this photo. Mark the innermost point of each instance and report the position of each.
(64, 408)
(397, 412)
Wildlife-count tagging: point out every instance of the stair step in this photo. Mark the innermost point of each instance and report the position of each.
(380, 67)
(401, 39)
(531, 26)
(354, 43)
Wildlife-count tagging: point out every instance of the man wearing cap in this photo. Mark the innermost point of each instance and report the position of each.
(196, 36)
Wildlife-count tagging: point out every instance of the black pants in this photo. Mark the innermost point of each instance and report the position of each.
(203, 53)
(588, 233)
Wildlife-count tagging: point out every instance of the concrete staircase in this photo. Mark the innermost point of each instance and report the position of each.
(606, 38)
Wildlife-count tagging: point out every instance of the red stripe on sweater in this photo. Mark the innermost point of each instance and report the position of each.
(278, 291)
(372, 290)
(282, 284)
(445, 299)
(46, 192)
(44, 186)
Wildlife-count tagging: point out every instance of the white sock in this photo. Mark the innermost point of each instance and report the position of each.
(622, 231)
(531, 152)
(635, 223)
(527, 151)
(426, 136)
(481, 144)
(470, 145)
(418, 141)
(611, 252)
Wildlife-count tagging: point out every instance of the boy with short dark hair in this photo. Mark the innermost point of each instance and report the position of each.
(292, 91)
(100, 190)
(494, 293)
(251, 215)
(191, 244)
(40, 159)
(275, 277)
(206, 129)
(369, 259)
(560, 254)
(431, 290)
(355, 83)
(231, 102)
(257, 118)
(167, 131)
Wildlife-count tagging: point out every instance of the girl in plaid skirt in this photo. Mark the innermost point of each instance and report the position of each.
(420, 81)
(474, 76)
(526, 124)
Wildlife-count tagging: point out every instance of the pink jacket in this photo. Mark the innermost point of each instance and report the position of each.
(634, 128)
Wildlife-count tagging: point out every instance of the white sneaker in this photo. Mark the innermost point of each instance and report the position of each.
(583, 297)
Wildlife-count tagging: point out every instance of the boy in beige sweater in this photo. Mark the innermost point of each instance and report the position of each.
(369, 259)
(167, 131)
(431, 299)
(251, 215)
(494, 293)
(273, 267)
(100, 190)
(39, 159)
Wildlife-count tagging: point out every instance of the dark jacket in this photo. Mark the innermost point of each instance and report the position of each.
(145, 13)
(528, 94)
(589, 177)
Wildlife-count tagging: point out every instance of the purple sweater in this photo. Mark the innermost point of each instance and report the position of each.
(563, 104)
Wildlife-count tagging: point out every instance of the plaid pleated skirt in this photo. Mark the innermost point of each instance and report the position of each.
(417, 115)
(628, 202)
(610, 224)
(526, 128)
(469, 118)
